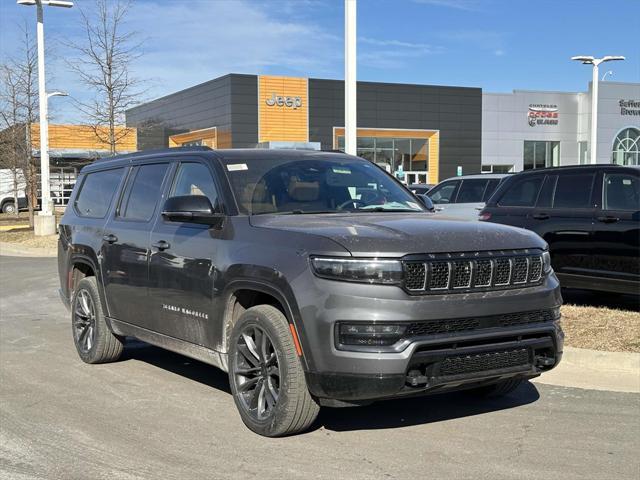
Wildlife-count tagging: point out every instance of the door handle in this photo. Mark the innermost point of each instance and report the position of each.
(608, 219)
(110, 238)
(541, 216)
(161, 245)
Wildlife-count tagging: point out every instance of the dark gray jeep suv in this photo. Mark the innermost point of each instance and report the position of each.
(312, 278)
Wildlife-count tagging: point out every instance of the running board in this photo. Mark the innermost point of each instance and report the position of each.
(191, 350)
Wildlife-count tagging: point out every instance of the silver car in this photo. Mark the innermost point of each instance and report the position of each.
(464, 197)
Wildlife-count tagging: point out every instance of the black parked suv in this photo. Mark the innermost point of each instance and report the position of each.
(589, 215)
(313, 278)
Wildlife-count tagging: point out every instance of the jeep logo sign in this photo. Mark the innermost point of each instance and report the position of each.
(282, 101)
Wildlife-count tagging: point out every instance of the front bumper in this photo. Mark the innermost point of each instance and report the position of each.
(424, 364)
(453, 365)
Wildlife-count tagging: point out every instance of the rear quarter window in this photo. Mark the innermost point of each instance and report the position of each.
(97, 192)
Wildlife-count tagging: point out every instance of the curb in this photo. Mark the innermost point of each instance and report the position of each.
(596, 370)
(14, 250)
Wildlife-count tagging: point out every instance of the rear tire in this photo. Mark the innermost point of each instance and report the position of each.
(499, 389)
(94, 341)
(266, 376)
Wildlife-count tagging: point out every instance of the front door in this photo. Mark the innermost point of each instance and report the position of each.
(617, 226)
(126, 245)
(563, 217)
(182, 266)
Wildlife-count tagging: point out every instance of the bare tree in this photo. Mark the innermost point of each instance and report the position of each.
(104, 65)
(29, 95)
(12, 120)
(18, 111)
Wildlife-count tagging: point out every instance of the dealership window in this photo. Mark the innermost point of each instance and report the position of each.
(583, 152)
(390, 153)
(626, 147)
(541, 154)
(497, 168)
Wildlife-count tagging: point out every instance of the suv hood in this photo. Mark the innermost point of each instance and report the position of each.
(397, 234)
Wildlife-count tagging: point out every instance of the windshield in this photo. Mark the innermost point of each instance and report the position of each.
(327, 185)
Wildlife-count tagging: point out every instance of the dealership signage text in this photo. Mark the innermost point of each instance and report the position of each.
(282, 101)
(542, 115)
(629, 107)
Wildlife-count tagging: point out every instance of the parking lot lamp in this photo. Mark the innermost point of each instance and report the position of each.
(46, 225)
(588, 60)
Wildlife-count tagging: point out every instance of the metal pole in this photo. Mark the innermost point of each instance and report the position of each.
(44, 123)
(594, 114)
(350, 102)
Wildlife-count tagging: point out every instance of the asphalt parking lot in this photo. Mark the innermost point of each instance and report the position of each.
(159, 415)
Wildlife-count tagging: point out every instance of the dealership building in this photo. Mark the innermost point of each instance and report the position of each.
(432, 132)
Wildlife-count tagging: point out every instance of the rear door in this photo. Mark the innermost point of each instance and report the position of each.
(183, 262)
(126, 245)
(563, 217)
(616, 231)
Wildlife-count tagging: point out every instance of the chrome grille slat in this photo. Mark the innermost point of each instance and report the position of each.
(467, 272)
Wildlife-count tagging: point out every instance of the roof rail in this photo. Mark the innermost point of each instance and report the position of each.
(197, 148)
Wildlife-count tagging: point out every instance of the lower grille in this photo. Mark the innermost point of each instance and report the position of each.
(484, 362)
(455, 325)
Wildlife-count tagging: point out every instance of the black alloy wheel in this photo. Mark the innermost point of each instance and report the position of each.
(84, 321)
(257, 372)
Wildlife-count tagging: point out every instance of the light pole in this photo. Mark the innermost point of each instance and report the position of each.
(604, 75)
(588, 60)
(45, 224)
(350, 101)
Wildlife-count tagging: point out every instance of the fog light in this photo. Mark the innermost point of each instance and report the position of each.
(369, 334)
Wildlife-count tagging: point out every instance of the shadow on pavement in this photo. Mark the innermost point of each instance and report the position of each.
(589, 298)
(176, 363)
(422, 410)
(386, 414)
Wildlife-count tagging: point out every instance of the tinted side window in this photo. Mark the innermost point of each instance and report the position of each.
(471, 191)
(143, 191)
(573, 191)
(523, 193)
(621, 192)
(97, 192)
(491, 187)
(444, 193)
(195, 179)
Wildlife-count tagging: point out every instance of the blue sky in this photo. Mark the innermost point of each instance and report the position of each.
(498, 45)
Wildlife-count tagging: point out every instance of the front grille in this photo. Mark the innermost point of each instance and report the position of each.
(482, 272)
(484, 362)
(468, 324)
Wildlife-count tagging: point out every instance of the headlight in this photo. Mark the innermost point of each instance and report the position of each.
(546, 262)
(387, 272)
(369, 334)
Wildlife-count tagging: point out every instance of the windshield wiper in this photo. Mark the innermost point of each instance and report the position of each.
(297, 212)
(382, 209)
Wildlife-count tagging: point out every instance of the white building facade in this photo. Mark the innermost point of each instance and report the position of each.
(525, 130)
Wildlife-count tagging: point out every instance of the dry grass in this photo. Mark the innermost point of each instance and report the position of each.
(601, 328)
(26, 238)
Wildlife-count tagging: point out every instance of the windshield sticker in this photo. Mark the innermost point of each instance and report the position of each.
(342, 170)
(234, 167)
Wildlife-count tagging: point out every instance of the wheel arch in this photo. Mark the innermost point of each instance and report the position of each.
(243, 294)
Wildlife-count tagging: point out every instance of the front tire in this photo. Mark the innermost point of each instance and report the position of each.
(94, 341)
(266, 376)
(9, 207)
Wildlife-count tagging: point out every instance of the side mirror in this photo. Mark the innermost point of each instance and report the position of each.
(426, 201)
(191, 209)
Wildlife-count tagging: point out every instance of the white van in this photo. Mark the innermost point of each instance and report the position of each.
(7, 203)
